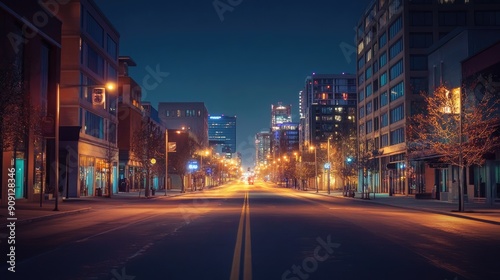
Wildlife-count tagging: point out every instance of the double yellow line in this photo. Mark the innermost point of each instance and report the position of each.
(247, 257)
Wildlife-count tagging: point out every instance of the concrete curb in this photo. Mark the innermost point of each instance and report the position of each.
(418, 209)
(50, 216)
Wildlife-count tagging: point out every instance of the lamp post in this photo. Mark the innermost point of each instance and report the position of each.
(202, 171)
(328, 164)
(460, 163)
(280, 168)
(315, 168)
(56, 146)
(166, 161)
(451, 109)
(153, 162)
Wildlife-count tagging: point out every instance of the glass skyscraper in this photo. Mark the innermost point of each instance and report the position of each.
(222, 133)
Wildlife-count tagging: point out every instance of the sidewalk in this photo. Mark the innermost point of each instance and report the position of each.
(474, 211)
(28, 211)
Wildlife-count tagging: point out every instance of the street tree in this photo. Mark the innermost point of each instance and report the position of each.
(456, 126)
(289, 171)
(343, 154)
(305, 171)
(308, 167)
(20, 118)
(146, 147)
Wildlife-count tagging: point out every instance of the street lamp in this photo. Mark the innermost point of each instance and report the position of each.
(166, 161)
(153, 162)
(456, 105)
(279, 175)
(315, 168)
(202, 171)
(329, 166)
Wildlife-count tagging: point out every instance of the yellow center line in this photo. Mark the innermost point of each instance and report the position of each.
(247, 269)
(247, 258)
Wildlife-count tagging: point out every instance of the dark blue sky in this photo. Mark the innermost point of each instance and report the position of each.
(258, 55)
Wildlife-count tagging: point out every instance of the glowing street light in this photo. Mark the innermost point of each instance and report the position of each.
(329, 166)
(315, 168)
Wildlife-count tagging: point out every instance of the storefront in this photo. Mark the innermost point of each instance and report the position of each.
(94, 174)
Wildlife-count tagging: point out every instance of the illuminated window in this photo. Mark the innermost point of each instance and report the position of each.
(360, 47)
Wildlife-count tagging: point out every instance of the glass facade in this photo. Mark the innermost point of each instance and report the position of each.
(427, 21)
(222, 131)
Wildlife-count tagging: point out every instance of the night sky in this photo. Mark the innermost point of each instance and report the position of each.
(258, 55)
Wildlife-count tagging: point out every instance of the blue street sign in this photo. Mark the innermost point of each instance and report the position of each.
(193, 165)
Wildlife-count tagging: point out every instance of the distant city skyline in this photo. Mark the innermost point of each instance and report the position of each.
(258, 55)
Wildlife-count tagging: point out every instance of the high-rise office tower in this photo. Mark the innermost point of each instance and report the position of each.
(222, 133)
(263, 147)
(328, 108)
(393, 38)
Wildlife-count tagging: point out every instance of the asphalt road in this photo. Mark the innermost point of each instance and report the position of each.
(256, 232)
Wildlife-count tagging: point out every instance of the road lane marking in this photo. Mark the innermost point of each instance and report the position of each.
(235, 270)
(247, 269)
(243, 228)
